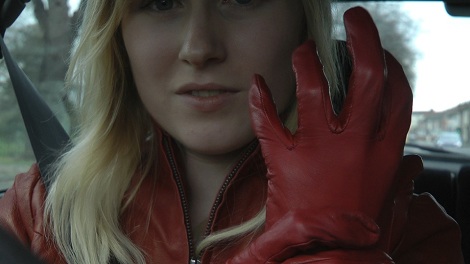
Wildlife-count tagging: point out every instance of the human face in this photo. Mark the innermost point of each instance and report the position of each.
(193, 63)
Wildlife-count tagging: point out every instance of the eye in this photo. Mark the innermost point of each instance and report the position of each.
(238, 2)
(243, 2)
(164, 4)
(160, 5)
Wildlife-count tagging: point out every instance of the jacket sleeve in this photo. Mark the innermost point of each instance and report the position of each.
(21, 207)
(22, 213)
(430, 236)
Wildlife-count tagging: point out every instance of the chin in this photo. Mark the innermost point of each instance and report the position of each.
(216, 147)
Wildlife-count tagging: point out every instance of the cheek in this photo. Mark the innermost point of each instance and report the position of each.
(151, 56)
(281, 81)
(149, 60)
(275, 65)
(271, 54)
(150, 50)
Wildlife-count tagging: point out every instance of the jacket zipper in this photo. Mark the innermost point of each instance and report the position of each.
(184, 202)
(179, 183)
(227, 181)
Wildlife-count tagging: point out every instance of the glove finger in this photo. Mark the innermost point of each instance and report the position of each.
(366, 85)
(315, 111)
(398, 103)
(410, 168)
(264, 118)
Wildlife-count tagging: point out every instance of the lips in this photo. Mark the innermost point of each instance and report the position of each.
(206, 97)
(205, 90)
(207, 93)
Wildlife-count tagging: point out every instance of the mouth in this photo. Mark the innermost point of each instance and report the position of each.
(207, 97)
(207, 93)
(205, 90)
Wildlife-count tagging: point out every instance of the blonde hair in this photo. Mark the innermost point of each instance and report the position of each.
(83, 219)
(108, 150)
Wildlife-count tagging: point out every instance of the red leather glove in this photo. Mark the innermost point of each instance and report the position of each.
(328, 182)
(392, 222)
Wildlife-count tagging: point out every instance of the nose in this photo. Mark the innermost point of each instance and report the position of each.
(202, 41)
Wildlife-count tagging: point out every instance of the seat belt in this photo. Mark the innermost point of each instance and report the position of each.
(47, 136)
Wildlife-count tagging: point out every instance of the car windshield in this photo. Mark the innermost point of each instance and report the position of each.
(432, 46)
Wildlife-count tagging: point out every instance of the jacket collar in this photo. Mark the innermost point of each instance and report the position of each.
(168, 226)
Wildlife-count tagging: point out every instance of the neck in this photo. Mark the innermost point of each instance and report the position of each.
(205, 175)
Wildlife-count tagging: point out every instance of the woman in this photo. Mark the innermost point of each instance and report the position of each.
(166, 130)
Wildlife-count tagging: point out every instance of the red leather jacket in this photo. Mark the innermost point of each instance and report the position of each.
(157, 220)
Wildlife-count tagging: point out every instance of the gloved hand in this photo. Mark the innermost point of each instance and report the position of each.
(328, 182)
(392, 222)
(394, 215)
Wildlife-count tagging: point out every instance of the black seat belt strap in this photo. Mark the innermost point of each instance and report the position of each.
(47, 136)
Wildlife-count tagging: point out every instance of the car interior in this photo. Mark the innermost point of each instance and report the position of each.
(440, 134)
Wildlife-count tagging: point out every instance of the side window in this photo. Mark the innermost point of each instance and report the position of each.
(40, 41)
(433, 49)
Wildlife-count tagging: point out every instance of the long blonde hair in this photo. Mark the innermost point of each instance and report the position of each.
(107, 151)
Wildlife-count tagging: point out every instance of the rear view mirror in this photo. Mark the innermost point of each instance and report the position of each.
(458, 7)
(453, 7)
